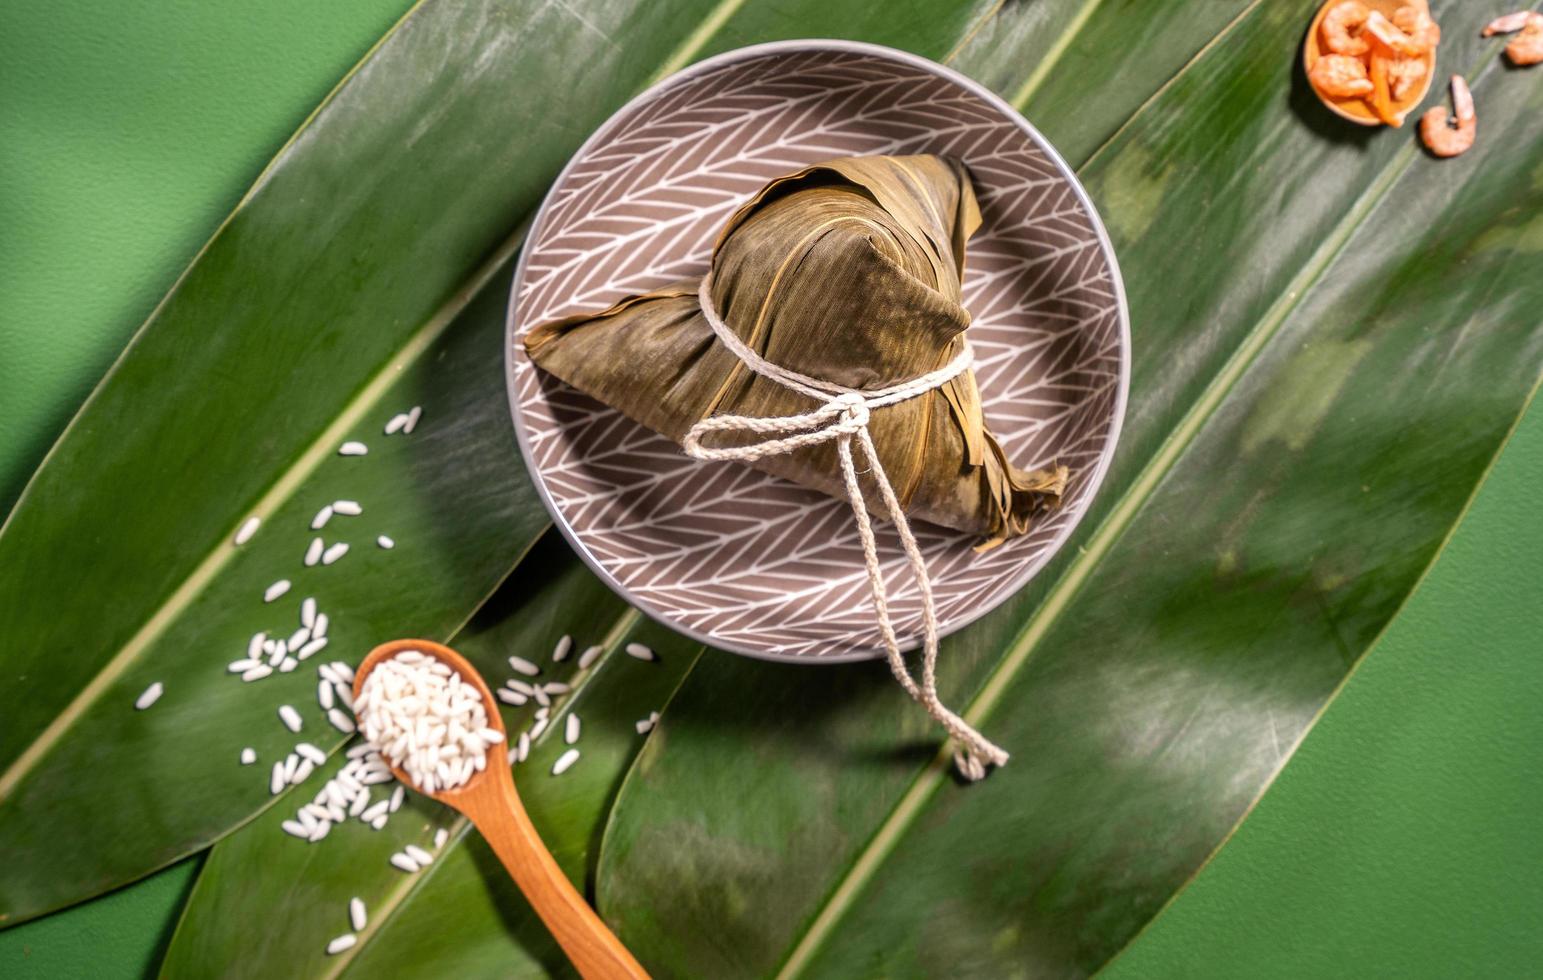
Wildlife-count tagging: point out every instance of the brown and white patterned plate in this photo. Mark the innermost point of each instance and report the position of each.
(741, 560)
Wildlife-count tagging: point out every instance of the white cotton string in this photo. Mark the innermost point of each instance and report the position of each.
(842, 417)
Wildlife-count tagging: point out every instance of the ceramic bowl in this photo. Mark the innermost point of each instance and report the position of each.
(719, 551)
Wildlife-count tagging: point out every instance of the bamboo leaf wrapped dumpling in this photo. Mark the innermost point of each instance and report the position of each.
(849, 272)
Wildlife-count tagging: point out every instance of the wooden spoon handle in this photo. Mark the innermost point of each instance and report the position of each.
(591, 946)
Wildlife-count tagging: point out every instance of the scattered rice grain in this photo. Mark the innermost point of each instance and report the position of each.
(347, 508)
(395, 425)
(150, 695)
(322, 517)
(561, 650)
(353, 449)
(341, 721)
(385, 542)
(412, 420)
(588, 657)
(440, 836)
(404, 862)
(276, 589)
(357, 917)
(571, 729)
(418, 854)
(290, 717)
(335, 552)
(345, 941)
(565, 762)
(248, 528)
(308, 612)
(257, 673)
(522, 666)
(640, 651)
(313, 552)
(248, 756)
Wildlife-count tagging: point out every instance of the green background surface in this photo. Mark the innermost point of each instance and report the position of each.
(1402, 840)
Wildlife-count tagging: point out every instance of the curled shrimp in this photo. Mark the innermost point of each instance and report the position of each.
(1439, 135)
(1527, 48)
(1340, 76)
(1338, 25)
(1414, 21)
(1405, 76)
(1388, 38)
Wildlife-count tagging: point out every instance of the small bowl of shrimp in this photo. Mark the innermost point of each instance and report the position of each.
(1371, 61)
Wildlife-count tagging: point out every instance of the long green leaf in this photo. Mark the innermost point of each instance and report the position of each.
(1333, 338)
(933, 29)
(302, 895)
(334, 296)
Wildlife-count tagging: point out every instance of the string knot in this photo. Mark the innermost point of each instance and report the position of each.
(843, 415)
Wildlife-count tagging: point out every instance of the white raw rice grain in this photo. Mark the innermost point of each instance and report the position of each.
(323, 693)
(254, 646)
(330, 673)
(357, 916)
(556, 688)
(397, 796)
(542, 698)
(440, 836)
(290, 717)
(405, 863)
(313, 552)
(588, 657)
(335, 552)
(295, 829)
(321, 831)
(538, 728)
(395, 425)
(561, 650)
(359, 804)
(519, 687)
(353, 449)
(288, 664)
(341, 721)
(302, 772)
(565, 762)
(363, 748)
(374, 811)
(346, 696)
(542, 713)
(345, 941)
(522, 751)
(522, 666)
(308, 612)
(291, 763)
(344, 671)
(641, 652)
(277, 654)
(320, 629)
(425, 719)
(412, 419)
(571, 729)
(277, 782)
(241, 666)
(315, 811)
(257, 673)
(385, 542)
(347, 508)
(150, 695)
(275, 590)
(643, 726)
(298, 638)
(510, 697)
(418, 854)
(248, 528)
(322, 517)
(312, 648)
(377, 823)
(248, 756)
(312, 752)
(490, 736)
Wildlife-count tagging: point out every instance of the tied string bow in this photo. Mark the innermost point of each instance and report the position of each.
(842, 417)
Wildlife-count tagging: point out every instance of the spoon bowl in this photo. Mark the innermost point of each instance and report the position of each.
(489, 800)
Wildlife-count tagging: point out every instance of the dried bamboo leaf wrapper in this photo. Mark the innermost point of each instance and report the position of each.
(848, 271)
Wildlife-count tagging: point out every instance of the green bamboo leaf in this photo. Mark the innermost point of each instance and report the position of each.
(498, 929)
(339, 292)
(1333, 340)
(464, 898)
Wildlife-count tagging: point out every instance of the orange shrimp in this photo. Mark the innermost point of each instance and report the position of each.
(1405, 76)
(1341, 23)
(1527, 48)
(1389, 38)
(1414, 21)
(1340, 76)
(1443, 139)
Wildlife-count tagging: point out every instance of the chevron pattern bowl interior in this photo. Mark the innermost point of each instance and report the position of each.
(722, 552)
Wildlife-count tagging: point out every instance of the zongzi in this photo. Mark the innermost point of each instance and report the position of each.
(846, 273)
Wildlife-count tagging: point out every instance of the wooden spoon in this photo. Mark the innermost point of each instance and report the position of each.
(489, 801)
